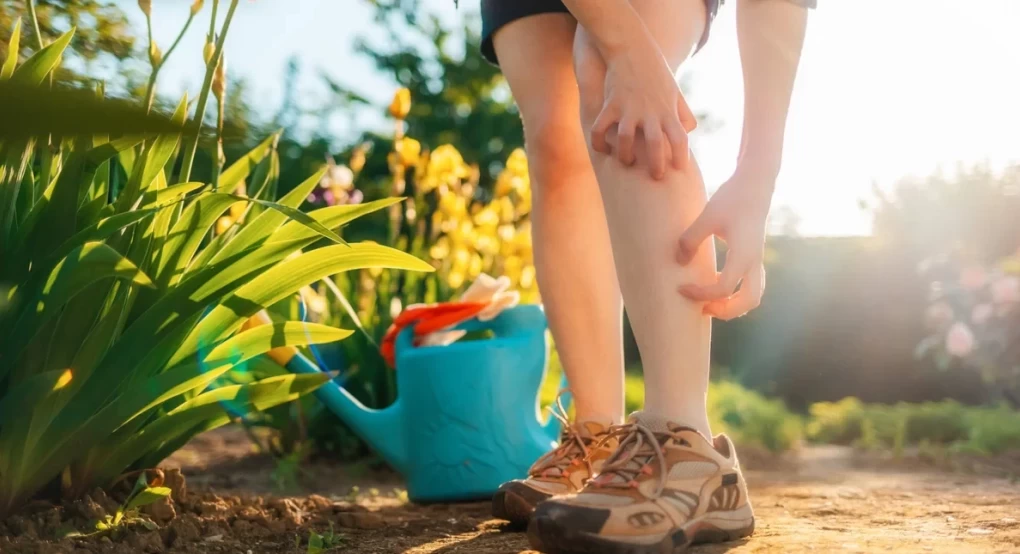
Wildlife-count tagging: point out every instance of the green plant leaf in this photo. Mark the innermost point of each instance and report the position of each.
(152, 161)
(296, 215)
(187, 235)
(262, 226)
(288, 277)
(12, 51)
(205, 412)
(146, 496)
(82, 267)
(39, 65)
(239, 170)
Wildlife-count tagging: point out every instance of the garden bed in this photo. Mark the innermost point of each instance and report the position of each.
(821, 499)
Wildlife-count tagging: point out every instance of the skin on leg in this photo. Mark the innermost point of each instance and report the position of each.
(573, 258)
(646, 217)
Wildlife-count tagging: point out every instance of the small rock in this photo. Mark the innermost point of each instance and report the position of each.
(361, 520)
(211, 508)
(214, 538)
(1008, 521)
(108, 504)
(283, 505)
(88, 508)
(320, 503)
(950, 519)
(288, 511)
(182, 530)
(174, 480)
(345, 506)
(979, 531)
(105, 540)
(22, 527)
(250, 513)
(146, 542)
(162, 511)
(276, 526)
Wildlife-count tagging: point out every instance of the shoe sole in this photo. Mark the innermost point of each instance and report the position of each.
(511, 506)
(545, 535)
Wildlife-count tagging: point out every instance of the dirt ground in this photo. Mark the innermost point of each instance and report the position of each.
(819, 500)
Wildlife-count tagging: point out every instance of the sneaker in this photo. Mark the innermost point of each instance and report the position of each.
(583, 449)
(664, 488)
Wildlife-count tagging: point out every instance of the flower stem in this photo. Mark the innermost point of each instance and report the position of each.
(35, 24)
(191, 147)
(150, 92)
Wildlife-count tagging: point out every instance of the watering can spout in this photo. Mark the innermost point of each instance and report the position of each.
(382, 429)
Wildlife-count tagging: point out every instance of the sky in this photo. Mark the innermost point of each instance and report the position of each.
(886, 89)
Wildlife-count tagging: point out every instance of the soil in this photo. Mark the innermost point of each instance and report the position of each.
(820, 499)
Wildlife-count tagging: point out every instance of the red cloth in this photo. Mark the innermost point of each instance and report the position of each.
(427, 319)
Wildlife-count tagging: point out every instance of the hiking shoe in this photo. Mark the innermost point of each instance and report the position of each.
(664, 488)
(565, 470)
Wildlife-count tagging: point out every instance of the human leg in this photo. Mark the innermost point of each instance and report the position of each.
(573, 258)
(645, 219)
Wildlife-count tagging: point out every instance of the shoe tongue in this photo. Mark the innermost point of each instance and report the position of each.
(590, 429)
(651, 421)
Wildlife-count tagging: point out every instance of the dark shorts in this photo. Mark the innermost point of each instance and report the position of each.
(497, 13)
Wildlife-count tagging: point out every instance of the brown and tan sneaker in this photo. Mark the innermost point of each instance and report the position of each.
(663, 489)
(583, 449)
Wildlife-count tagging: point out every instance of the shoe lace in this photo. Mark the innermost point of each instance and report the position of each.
(572, 451)
(639, 446)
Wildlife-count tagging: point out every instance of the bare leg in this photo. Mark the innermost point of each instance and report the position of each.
(646, 217)
(573, 258)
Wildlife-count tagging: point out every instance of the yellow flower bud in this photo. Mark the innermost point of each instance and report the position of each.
(146, 6)
(208, 51)
(409, 150)
(357, 162)
(401, 104)
(155, 54)
(222, 224)
(196, 7)
(219, 82)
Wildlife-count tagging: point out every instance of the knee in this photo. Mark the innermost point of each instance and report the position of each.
(555, 144)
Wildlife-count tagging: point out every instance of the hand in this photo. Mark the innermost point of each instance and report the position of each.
(736, 213)
(641, 93)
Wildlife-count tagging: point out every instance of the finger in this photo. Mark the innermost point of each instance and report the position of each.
(723, 287)
(606, 119)
(678, 144)
(656, 148)
(693, 237)
(746, 299)
(626, 130)
(683, 111)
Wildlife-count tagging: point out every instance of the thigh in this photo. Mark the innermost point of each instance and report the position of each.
(535, 55)
(676, 25)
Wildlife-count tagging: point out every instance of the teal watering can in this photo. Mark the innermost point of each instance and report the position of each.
(466, 418)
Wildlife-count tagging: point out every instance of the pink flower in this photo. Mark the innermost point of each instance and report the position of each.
(959, 340)
(939, 314)
(1006, 290)
(973, 277)
(981, 313)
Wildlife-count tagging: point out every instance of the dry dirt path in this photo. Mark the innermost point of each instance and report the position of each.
(819, 501)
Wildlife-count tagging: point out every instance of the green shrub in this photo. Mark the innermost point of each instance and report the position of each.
(750, 418)
(122, 313)
(928, 424)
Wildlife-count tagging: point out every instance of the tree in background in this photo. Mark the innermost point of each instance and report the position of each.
(102, 28)
(972, 214)
(459, 98)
